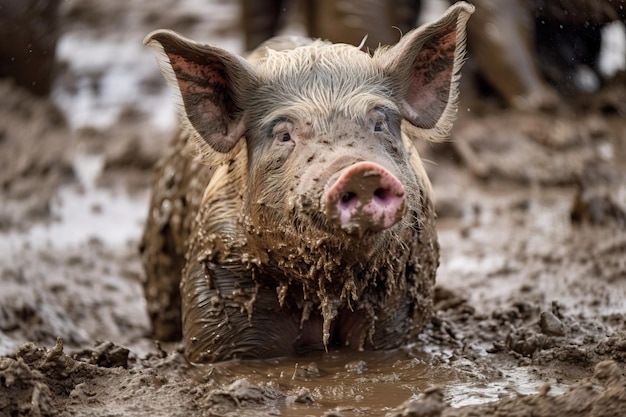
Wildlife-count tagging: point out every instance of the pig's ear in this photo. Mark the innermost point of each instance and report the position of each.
(425, 68)
(210, 84)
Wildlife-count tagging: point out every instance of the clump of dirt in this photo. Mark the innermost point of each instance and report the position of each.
(48, 382)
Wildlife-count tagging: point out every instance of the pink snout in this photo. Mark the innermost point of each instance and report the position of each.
(365, 197)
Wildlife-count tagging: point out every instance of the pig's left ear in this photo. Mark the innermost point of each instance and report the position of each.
(425, 69)
(210, 84)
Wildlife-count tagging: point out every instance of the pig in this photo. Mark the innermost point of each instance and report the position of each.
(292, 212)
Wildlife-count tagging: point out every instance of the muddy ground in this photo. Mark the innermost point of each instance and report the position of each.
(531, 300)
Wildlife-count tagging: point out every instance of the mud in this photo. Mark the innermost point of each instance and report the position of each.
(531, 296)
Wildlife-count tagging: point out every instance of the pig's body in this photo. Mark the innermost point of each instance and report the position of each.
(309, 221)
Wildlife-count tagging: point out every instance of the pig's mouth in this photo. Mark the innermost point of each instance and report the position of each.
(364, 198)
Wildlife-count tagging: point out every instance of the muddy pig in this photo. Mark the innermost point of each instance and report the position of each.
(292, 210)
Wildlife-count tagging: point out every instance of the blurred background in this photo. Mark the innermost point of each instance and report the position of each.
(529, 54)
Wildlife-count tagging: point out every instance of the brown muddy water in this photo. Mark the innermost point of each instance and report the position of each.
(368, 383)
(531, 298)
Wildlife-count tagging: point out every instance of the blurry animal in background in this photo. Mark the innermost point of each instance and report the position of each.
(28, 38)
(382, 22)
(529, 52)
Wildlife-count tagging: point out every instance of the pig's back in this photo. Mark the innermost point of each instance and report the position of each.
(177, 189)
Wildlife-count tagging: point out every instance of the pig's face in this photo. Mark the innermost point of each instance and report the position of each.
(328, 167)
(325, 147)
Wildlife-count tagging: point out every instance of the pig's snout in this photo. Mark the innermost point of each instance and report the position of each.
(365, 197)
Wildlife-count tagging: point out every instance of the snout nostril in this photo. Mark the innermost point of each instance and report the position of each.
(348, 200)
(347, 197)
(382, 195)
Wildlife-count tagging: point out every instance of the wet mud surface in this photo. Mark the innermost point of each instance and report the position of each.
(531, 296)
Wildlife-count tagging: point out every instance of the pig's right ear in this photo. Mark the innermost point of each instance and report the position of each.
(210, 84)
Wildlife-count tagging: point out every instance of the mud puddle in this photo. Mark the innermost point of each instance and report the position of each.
(372, 383)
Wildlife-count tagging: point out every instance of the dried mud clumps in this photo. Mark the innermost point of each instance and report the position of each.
(551, 336)
(24, 390)
(38, 381)
(33, 381)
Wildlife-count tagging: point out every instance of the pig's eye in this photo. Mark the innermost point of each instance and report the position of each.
(377, 117)
(282, 130)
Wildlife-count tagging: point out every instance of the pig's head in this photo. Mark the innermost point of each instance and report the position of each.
(329, 168)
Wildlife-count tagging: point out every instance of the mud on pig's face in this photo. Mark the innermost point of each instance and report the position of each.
(334, 170)
(322, 122)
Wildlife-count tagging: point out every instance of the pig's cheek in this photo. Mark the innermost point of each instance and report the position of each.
(281, 156)
(274, 163)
